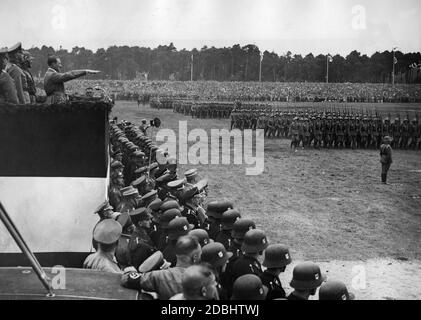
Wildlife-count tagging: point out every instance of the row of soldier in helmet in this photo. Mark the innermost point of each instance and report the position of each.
(16, 82)
(331, 129)
(204, 109)
(162, 243)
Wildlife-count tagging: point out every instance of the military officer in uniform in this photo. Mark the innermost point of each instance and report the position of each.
(227, 223)
(277, 257)
(14, 70)
(140, 244)
(7, 85)
(106, 234)
(385, 157)
(254, 244)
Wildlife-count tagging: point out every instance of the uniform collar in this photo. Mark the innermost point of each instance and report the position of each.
(51, 69)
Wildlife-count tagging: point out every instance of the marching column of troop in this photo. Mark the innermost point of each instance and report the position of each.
(204, 109)
(330, 129)
(168, 241)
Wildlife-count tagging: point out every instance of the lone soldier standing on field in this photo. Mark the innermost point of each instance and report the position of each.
(385, 157)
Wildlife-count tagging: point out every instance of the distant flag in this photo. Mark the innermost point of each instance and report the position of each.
(329, 58)
(395, 61)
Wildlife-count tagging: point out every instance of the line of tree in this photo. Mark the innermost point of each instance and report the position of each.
(234, 63)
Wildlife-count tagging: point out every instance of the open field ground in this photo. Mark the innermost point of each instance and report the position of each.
(328, 206)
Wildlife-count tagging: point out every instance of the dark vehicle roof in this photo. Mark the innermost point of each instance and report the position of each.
(21, 283)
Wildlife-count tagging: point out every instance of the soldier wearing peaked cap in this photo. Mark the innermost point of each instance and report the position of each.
(122, 250)
(106, 234)
(26, 66)
(140, 244)
(7, 86)
(129, 201)
(277, 257)
(114, 194)
(306, 278)
(17, 74)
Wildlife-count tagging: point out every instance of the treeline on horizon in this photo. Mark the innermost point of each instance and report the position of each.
(234, 63)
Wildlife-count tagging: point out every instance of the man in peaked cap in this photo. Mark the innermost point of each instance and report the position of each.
(114, 193)
(191, 177)
(14, 70)
(177, 227)
(128, 202)
(7, 86)
(334, 290)
(122, 250)
(106, 211)
(106, 234)
(249, 287)
(306, 278)
(26, 66)
(277, 257)
(167, 282)
(140, 245)
(227, 223)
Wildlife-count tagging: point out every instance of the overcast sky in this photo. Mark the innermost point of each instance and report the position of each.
(301, 26)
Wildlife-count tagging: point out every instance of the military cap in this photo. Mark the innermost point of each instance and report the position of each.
(167, 216)
(201, 235)
(169, 204)
(107, 231)
(202, 184)
(141, 170)
(335, 290)
(154, 262)
(138, 181)
(3, 52)
(306, 276)
(153, 166)
(249, 287)
(276, 256)
(140, 214)
(176, 184)
(241, 226)
(215, 254)
(15, 48)
(164, 178)
(177, 227)
(103, 207)
(151, 195)
(190, 173)
(116, 164)
(228, 218)
(122, 190)
(130, 192)
(254, 241)
(124, 219)
(217, 208)
(155, 205)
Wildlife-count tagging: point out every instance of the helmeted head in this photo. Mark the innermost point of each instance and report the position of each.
(334, 290)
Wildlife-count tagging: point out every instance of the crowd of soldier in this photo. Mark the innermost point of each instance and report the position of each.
(329, 129)
(253, 91)
(159, 231)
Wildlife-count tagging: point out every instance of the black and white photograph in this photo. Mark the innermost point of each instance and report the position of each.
(221, 150)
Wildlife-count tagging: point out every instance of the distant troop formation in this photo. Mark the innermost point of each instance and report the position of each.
(161, 233)
(256, 91)
(204, 109)
(329, 128)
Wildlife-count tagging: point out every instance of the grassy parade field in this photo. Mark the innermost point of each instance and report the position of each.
(328, 206)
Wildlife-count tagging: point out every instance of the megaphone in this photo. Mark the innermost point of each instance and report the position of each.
(155, 123)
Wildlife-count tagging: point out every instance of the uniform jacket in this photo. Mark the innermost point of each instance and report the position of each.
(274, 285)
(101, 261)
(17, 75)
(54, 82)
(386, 154)
(7, 88)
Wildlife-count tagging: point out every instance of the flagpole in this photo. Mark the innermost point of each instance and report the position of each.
(393, 67)
(191, 68)
(327, 68)
(260, 68)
